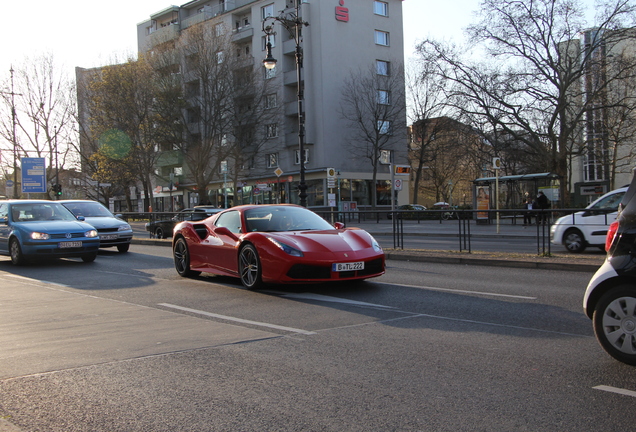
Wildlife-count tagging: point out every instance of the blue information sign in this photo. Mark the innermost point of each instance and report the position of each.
(33, 175)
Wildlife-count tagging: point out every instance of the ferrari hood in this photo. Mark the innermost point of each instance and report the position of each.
(348, 240)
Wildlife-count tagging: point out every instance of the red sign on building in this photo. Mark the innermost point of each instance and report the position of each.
(342, 13)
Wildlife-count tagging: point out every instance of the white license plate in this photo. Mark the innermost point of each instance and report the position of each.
(74, 244)
(108, 237)
(339, 267)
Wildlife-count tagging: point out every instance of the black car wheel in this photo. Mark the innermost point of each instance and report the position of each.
(250, 267)
(17, 258)
(90, 257)
(159, 233)
(181, 255)
(615, 323)
(123, 247)
(573, 241)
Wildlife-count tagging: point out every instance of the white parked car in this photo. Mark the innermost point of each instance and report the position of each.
(588, 227)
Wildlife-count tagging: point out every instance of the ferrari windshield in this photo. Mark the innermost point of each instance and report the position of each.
(283, 218)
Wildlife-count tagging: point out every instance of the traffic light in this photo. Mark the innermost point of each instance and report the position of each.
(57, 189)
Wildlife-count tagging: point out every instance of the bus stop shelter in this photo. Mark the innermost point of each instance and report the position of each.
(513, 190)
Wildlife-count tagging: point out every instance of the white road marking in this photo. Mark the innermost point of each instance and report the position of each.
(459, 291)
(616, 390)
(329, 299)
(239, 320)
(31, 280)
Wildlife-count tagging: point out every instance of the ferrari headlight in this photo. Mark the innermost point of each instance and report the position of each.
(40, 236)
(91, 234)
(376, 245)
(286, 248)
(123, 228)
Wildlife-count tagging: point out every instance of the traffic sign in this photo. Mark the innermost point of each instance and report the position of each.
(331, 173)
(397, 185)
(33, 175)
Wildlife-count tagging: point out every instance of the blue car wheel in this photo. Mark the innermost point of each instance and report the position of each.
(17, 257)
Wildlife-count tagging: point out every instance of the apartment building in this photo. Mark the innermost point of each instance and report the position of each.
(342, 37)
(607, 152)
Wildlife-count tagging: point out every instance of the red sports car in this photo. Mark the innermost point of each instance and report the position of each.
(281, 243)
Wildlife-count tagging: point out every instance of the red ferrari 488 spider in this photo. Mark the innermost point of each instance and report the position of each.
(281, 243)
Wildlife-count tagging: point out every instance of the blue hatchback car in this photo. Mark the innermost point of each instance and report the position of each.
(31, 229)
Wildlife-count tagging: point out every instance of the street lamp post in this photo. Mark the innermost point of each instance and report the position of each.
(15, 151)
(293, 23)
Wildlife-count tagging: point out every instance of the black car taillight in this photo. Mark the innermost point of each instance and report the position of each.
(611, 233)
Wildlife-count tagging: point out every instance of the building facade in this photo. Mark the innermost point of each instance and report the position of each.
(607, 153)
(342, 37)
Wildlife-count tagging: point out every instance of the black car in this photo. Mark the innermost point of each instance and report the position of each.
(408, 211)
(163, 228)
(610, 298)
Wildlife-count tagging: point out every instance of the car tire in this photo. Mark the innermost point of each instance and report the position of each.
(159, 233)
(250, 269)
(90, 257)
(15, 251)
(123, 248)
(615, 323)
(574, 241)
(181, 255)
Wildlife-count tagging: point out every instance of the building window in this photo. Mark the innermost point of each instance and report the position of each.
(381, 8)
(271, 130)
(297, 156)
(219, 29)
(384, 97)
(381, 38)
(272, 160)
(382, 67)
(270, 101)
(267, 11)
(385, 157)
(220, 57)
(384, 127)
(270, 73)
(272, 40)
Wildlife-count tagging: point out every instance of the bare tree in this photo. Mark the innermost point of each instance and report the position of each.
(374, 105)
(44, 100)
(224, 98)
(427, 96)
(539, 83)
(124, 118)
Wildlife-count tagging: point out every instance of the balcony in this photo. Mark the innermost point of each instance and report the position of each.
(291, 109)
(170, 158)
(243, 33)
(164, 34)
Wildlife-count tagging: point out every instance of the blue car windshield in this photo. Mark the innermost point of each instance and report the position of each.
(38, 212)
(283, 218)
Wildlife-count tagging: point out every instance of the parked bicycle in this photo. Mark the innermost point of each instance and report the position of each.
(450, 213)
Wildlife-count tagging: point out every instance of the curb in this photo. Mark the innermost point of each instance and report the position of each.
(494, 262)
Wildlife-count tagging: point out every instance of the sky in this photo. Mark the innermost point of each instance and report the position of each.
(88, 33)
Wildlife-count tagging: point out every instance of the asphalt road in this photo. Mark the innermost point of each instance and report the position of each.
(124, 344)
